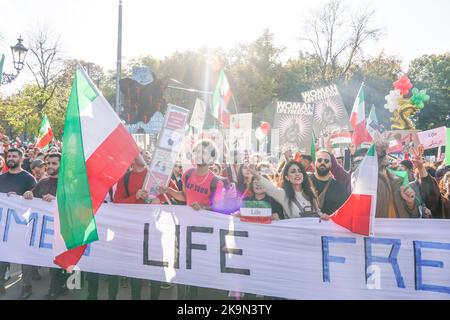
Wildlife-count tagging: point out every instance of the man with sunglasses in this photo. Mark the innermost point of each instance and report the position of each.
(331, 193)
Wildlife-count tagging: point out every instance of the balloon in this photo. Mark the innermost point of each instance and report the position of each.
(419, 97)
(392, 100)
(265, 127)
(259, 134)
(403, 84)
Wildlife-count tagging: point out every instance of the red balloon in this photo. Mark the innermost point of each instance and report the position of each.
(403, 84)
(265, 127)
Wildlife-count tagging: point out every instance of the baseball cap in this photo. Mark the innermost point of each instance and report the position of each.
(36, 163)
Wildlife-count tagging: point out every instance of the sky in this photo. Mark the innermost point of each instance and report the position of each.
(87, 29)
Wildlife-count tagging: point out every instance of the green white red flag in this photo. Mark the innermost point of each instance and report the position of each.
(358, 120)
(45, 133)
(97, 151)
(357, 214)
(221, 97)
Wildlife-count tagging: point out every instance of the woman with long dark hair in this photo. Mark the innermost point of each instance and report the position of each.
(296, 194)
(243, 179)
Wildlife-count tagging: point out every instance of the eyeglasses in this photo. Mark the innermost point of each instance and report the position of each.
(320, 160)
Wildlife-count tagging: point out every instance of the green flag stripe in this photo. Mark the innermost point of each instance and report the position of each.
(86, 92)
(74, 200)
(371, 151)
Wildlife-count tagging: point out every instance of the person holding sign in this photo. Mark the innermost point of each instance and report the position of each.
(202, 189)
(295, 195)
(259, 194)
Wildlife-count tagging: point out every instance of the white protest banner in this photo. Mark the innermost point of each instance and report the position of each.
(240, 133)
(198, 115)
(167, 148)
(433, 138)
(295, 258)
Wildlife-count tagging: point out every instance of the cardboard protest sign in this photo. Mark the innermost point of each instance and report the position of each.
(167, 148)
(433, 138)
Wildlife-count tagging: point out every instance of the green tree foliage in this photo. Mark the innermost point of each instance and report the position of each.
(378, 74)
(432, 73)
(255, 72)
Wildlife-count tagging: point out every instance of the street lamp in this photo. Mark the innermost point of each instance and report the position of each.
(19, 53)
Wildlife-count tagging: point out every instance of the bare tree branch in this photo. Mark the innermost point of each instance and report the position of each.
(337, 38)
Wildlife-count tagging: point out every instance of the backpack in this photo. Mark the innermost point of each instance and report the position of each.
(213, 185)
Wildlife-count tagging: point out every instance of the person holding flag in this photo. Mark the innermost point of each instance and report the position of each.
(98, 150)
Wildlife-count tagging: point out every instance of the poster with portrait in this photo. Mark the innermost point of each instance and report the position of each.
(330, 114)
(294, 123)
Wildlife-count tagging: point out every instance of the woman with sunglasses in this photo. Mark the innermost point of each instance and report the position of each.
(296, 195)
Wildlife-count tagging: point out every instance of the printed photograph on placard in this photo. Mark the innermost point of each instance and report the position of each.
(330, 114)
(294, 122)
(171, 139)
(163, 162)
(154, 181)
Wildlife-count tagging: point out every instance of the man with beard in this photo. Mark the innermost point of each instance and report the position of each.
(46, 190)
(16, 182)
(331, 193)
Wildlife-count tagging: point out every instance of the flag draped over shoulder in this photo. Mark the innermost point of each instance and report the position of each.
(358, 212)
(221, 97)
(358, 120)
(45, 133)
(97, 151)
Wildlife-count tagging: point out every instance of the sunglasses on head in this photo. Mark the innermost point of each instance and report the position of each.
(320, 160)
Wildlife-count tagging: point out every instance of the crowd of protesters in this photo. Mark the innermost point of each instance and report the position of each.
(294, 186)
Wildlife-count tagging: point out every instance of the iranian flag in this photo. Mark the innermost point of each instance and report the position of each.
(97, 151)
(358, 212)
(221, 97)
(358, 120)
(45, 133)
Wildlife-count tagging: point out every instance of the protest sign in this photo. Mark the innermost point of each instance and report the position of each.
(401, 141)
(330, 114)
(294, 124)
(433, 138)
(198, 115)
(167, 148)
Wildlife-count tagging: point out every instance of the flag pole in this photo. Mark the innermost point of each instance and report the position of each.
(119, 58)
